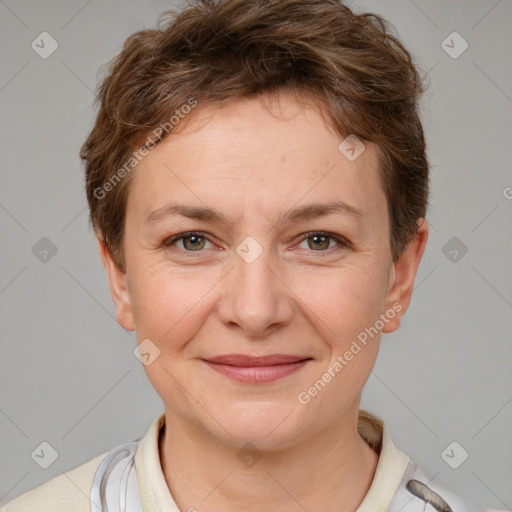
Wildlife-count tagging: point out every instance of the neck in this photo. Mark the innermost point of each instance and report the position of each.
(332, 470)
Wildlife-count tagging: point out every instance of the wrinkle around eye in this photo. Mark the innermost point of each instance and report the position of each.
(339, 242)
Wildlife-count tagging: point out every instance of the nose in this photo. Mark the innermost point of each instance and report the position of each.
(255, 298)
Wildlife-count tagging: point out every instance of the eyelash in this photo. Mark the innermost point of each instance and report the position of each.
(342, 242)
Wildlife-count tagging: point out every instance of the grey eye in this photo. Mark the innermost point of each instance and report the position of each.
(196, 242)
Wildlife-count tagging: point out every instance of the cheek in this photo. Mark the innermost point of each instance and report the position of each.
(343, 306)
(170, 309)
(170, 306)
(343, 301)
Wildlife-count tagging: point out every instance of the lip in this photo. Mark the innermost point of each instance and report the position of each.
(252, 361)
(243, 368)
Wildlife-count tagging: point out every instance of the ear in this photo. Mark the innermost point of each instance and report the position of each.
(402, 276)
(118, 287)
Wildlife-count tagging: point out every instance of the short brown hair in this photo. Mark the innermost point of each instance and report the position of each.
(218, 51)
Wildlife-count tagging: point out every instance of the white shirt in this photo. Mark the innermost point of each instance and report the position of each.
(138, 480)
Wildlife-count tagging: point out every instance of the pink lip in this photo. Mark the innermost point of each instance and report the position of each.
(256, 369)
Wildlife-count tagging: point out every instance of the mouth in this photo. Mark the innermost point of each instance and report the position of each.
(243, 368)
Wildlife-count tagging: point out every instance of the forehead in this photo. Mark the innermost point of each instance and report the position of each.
(249, 157)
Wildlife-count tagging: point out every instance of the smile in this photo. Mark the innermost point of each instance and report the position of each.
(257, 371)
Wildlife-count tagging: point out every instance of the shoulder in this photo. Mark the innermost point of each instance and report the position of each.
(417, 492)
(399, 483)
(67, 492)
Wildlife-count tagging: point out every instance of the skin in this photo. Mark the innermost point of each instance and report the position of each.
(254, 162)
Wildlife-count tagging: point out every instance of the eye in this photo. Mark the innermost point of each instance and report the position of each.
(192, 241)
(320, 241)
(317, 241)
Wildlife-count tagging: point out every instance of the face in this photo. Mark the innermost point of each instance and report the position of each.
(251, 233)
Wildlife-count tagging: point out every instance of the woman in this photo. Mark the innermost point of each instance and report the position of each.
(258, 182)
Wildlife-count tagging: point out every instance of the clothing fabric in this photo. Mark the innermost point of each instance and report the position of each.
(129, 478)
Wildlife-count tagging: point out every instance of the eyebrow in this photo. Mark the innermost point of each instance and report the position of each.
(301, 213)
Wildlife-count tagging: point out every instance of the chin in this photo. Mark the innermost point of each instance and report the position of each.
(268, 425)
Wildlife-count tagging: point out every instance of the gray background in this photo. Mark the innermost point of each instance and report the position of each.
(68, 373)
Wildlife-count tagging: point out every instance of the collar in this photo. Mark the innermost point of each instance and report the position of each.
(156, 496)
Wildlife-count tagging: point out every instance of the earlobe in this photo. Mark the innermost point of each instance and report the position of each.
(403, 275)
(118, 287)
